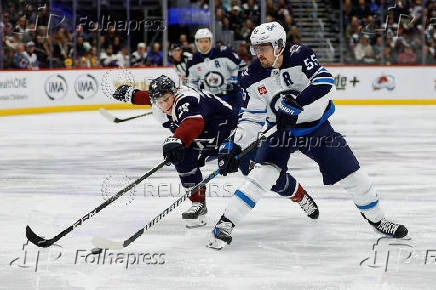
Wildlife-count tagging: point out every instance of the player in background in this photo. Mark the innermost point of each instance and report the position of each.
(179, 59)
(215, 69)
(287, 87)
(200, 122)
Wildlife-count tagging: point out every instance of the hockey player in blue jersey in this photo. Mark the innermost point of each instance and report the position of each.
(215, 69)
(200, 122)
(287, 87)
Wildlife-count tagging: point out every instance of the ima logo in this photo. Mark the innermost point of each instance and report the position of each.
(56, 87)
(262, 90)
(86, 86)
(384, 82)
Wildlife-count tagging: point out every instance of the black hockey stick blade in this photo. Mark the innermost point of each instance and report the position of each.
(114, 119)
(42, 242)
(37, 240)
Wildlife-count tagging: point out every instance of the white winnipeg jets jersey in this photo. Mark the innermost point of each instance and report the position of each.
(301, 76)
(212, 71)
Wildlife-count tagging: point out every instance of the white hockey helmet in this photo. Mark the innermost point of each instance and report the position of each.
(204, 33)
(270, 32)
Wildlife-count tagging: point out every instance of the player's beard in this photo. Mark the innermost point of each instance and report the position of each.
(264, 62)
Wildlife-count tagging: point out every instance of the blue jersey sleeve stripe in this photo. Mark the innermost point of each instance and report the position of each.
(245, 198)
(324, 80)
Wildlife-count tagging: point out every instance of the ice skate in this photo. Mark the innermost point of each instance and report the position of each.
(195, 216)
(388, 228)
(220, 236)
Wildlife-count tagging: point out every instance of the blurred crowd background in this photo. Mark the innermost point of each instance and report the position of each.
(66, 34)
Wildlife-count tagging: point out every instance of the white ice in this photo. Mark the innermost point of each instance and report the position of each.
(54, 166)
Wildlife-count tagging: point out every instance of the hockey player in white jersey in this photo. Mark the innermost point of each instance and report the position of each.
(199, 123)
(215, 69)
(287, 87)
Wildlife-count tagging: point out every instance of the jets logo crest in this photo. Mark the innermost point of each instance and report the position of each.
(270, 27)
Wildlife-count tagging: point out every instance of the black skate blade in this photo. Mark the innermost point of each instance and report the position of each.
(37, 240)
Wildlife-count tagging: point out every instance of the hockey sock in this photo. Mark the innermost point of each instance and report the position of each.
(199, 195)
(364, 195)
(299, 194)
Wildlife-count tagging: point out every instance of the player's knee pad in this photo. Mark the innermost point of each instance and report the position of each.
(286, 185)
(364, 195)
(190, 177)
(260, 180)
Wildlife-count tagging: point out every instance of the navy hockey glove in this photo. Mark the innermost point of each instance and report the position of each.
(227, 163)
(124, 93)
(232, 87)
(173, 150)
(287, 113)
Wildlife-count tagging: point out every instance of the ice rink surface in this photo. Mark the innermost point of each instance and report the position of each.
(54, 168)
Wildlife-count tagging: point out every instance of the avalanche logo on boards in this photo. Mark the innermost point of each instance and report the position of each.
(384, 82)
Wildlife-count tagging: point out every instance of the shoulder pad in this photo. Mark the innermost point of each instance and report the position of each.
(254, 73)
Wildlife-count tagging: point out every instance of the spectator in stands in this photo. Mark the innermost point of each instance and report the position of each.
(352, 31)
(284, 11)
(61, 48)
(407, 57)
(294, 35)
(5, 20)
(251, 11)
(42, 51)
(21, 25)
(387, 56)
(139, 57)
(363, 52)
(246, 29)
(116, 45)
(236, 18)
(82, 47)
(123, 57)
(243, 52)
(107, 58)
(187, 47)
(32, 57)
(89, 60)
(43, 16)
(21, 61)
(378, 49)
(154, 55)
(362, 10)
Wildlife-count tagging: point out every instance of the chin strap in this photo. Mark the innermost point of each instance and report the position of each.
(276, 56)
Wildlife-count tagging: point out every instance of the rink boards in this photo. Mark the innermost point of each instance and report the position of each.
(27, 92)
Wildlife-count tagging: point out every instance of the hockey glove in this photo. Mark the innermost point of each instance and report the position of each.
(124, 93)
(173, 150)
(227, 163)
(232, 87)
(287, 113)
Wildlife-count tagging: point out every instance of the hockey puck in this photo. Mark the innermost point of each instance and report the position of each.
(96, 251)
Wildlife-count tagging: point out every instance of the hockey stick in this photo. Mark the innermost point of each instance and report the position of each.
(42, 242)
(103, 243)
(114, 119)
